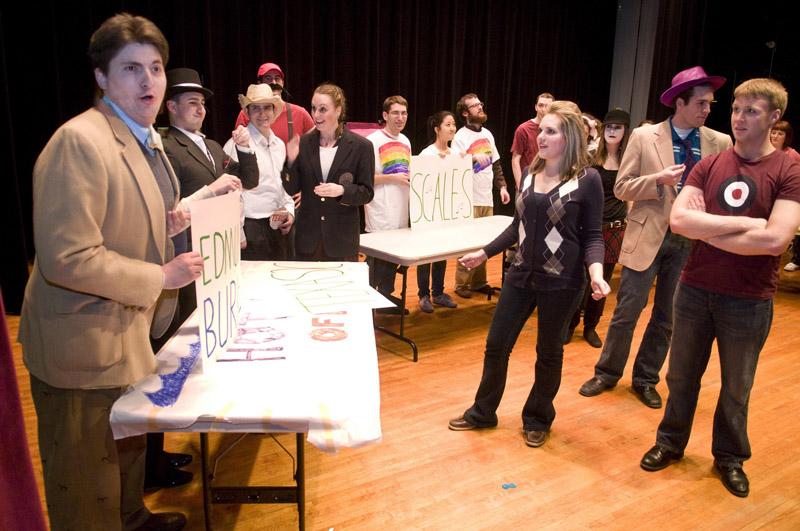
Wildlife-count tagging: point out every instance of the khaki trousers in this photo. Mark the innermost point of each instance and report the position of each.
(92, 482)
(476, 278)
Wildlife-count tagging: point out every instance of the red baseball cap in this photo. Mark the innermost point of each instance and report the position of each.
(268, 67)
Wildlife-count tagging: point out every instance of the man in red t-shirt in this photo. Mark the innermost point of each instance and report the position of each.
(271, 74)
(742, 206)
(526, 145)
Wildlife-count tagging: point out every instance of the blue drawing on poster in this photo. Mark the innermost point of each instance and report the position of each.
(172, 383)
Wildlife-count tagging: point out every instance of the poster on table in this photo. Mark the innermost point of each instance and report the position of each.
(441, 189)
(216, 235)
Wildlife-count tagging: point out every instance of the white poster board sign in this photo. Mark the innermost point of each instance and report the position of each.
(441, 189)
(216, 235)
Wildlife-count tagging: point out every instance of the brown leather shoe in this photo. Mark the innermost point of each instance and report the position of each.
(163, 522)
(534, 438)
(461, 424)
(463, 292)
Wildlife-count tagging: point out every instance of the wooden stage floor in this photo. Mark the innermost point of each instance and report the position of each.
(587, 475)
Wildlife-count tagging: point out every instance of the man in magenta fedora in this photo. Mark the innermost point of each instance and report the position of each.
(652, 171)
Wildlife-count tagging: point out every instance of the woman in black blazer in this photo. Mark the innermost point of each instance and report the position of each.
(333, 168)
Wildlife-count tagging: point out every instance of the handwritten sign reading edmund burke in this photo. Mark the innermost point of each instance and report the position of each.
(216, 235)
(441, 189)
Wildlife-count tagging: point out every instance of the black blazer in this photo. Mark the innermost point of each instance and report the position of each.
(193, 168)
(335, 221)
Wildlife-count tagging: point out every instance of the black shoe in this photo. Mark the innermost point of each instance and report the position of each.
(165, 480)
(177, 460)
(163, 522)
(594, 387)
(658, 458)
(534, 438)
(648, 395)
(568, 335)
(734, 479)
(485, 289)
(462, 424)
(592, 338)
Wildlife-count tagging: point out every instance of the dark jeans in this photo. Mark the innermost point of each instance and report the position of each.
(740, 327)
(592, 309)
(264, 242)
(381, 274)
(424, 277)
(634, 290)
(513, 309)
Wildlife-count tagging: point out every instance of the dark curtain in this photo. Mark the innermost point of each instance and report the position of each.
(429, 52)
(727, 40)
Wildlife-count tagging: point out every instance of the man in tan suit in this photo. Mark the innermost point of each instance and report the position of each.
(104, 196)
(652, 171)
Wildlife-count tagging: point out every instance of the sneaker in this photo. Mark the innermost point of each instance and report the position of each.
(445, 300)
(463, 292)
(791, 267)
(425, 304)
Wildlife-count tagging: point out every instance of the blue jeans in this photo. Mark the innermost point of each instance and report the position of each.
(634, 290)
(514, 308)
(740, 327)
(424, 276)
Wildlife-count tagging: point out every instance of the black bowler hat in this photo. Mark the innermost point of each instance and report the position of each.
(185, 80)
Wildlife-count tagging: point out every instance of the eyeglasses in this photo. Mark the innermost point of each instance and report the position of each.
(269, 78)
(476, 104)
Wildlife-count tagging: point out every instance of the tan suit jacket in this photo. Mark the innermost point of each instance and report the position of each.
(100, 235)
(649, 151)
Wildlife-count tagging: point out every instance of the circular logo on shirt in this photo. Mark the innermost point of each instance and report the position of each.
(736, 194)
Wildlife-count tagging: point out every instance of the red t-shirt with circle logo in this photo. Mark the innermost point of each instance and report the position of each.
(734, 186)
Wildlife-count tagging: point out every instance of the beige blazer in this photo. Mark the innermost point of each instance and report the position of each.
(100, 234)
(649, 151)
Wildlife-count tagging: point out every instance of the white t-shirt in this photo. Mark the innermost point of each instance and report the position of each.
(268, 196)
(433, 150)
(479, 144)
(389, 206)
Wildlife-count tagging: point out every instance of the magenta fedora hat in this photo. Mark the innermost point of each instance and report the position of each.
(686, 79)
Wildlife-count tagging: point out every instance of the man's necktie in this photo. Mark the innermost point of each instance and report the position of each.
(689, 162)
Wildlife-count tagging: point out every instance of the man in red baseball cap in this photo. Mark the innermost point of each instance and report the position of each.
(294, 120)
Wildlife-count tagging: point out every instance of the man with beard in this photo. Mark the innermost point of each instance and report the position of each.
(478, 142)
(526, 143)
(652, 171)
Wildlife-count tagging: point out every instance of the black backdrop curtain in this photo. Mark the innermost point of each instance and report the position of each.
(430, 52)
(730, 40)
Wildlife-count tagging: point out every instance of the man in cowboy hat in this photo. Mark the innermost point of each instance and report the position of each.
(293, 119)
(203, 170)
(268, 209)
(652, 171)
(742, 208)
